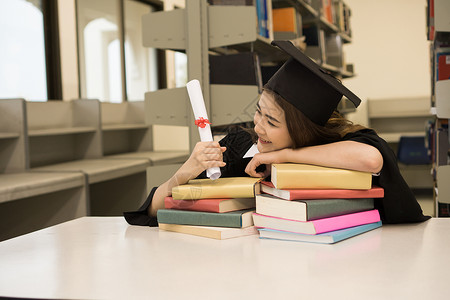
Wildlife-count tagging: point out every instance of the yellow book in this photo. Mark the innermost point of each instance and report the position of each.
(231, 187)
(219, 233)
(302, 176)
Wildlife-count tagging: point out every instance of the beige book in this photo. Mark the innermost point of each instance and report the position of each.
(219, 233)
(231, 187)
(302, 176)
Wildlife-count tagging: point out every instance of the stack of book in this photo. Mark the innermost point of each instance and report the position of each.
(217, 209)
(316, 204)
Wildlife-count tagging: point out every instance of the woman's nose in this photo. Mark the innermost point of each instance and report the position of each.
(259, 127)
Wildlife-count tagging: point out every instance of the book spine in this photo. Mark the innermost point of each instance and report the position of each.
(346, 221)
(350, 194)
(194, 192)
(195, 205)
(309, 194)
(172, 216)
(320, 178)
(319, 209)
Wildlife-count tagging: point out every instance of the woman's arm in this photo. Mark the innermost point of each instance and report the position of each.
(204, 156)
(345, 154)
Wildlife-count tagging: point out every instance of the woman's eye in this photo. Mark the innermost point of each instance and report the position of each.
(271, 124)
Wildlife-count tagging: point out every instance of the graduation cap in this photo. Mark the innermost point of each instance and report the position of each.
(312, 90)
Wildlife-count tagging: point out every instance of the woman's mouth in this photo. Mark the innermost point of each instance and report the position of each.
(262, 141)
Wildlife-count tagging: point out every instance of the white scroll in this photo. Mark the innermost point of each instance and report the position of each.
(201, 120)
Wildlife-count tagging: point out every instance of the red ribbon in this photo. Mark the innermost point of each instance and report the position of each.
(200, 122)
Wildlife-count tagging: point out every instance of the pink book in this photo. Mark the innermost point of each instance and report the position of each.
(303, 194)
(317, 226)
(210, 205)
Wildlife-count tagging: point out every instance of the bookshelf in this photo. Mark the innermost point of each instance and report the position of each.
(23, 193)
(13, 155)
(201, 29)
(326, 26)
(397, 118)
(438, 25)
(77, 136)
(196, 30)
(75, 158)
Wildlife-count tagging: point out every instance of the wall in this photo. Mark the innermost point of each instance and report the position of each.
(68, 49)
(389, 50)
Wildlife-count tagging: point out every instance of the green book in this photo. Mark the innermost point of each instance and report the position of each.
(235, 219)
(307, 210)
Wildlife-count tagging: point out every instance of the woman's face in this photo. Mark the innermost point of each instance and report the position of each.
(270, 125)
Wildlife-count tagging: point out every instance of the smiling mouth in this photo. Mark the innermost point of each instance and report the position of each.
(264, 141)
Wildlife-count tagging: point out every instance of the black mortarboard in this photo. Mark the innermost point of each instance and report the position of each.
(312, 90)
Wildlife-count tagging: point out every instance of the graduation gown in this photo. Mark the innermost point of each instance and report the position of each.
(399, 204)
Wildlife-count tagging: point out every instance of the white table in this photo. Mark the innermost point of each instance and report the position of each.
(104, 258)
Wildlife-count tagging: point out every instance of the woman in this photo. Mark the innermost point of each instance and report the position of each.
(295, 121)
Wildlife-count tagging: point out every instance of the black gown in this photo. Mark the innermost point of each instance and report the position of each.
(399, 204)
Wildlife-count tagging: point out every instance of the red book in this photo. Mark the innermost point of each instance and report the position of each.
(443, 69)
(302, 194)
(210, 205)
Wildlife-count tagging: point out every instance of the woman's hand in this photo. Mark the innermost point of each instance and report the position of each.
(267, 159)
(205, 155)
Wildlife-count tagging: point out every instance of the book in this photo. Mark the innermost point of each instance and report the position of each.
(210, 205)
(294, 176)
(264, 18)
(223, 69)
(230, 187)
(300, 194)
(322, 238)
(412, 151)
(443, 66)
(327, 10)
(287, 20)
(307, 210)
(317, 226)
(261, 13)
(235, 219)
(219, 233)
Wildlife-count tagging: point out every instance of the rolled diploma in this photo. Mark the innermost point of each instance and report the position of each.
(198, 106)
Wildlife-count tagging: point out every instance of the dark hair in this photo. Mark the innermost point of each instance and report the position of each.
(304, 132)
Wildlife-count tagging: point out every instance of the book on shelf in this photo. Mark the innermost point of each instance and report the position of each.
(222, 69)
(264, 17)
(442, 144)
(308, 210)
(295, 176)
(210, 205)
(322, 238)
(300, 194)
(235, 219)
(338, 7)
(347, 14)
(317, 226)
(230, 187)
(287, 23)
(219, 233)
(430, 20)
(327, 10)
(412, 151)
(443, 66)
